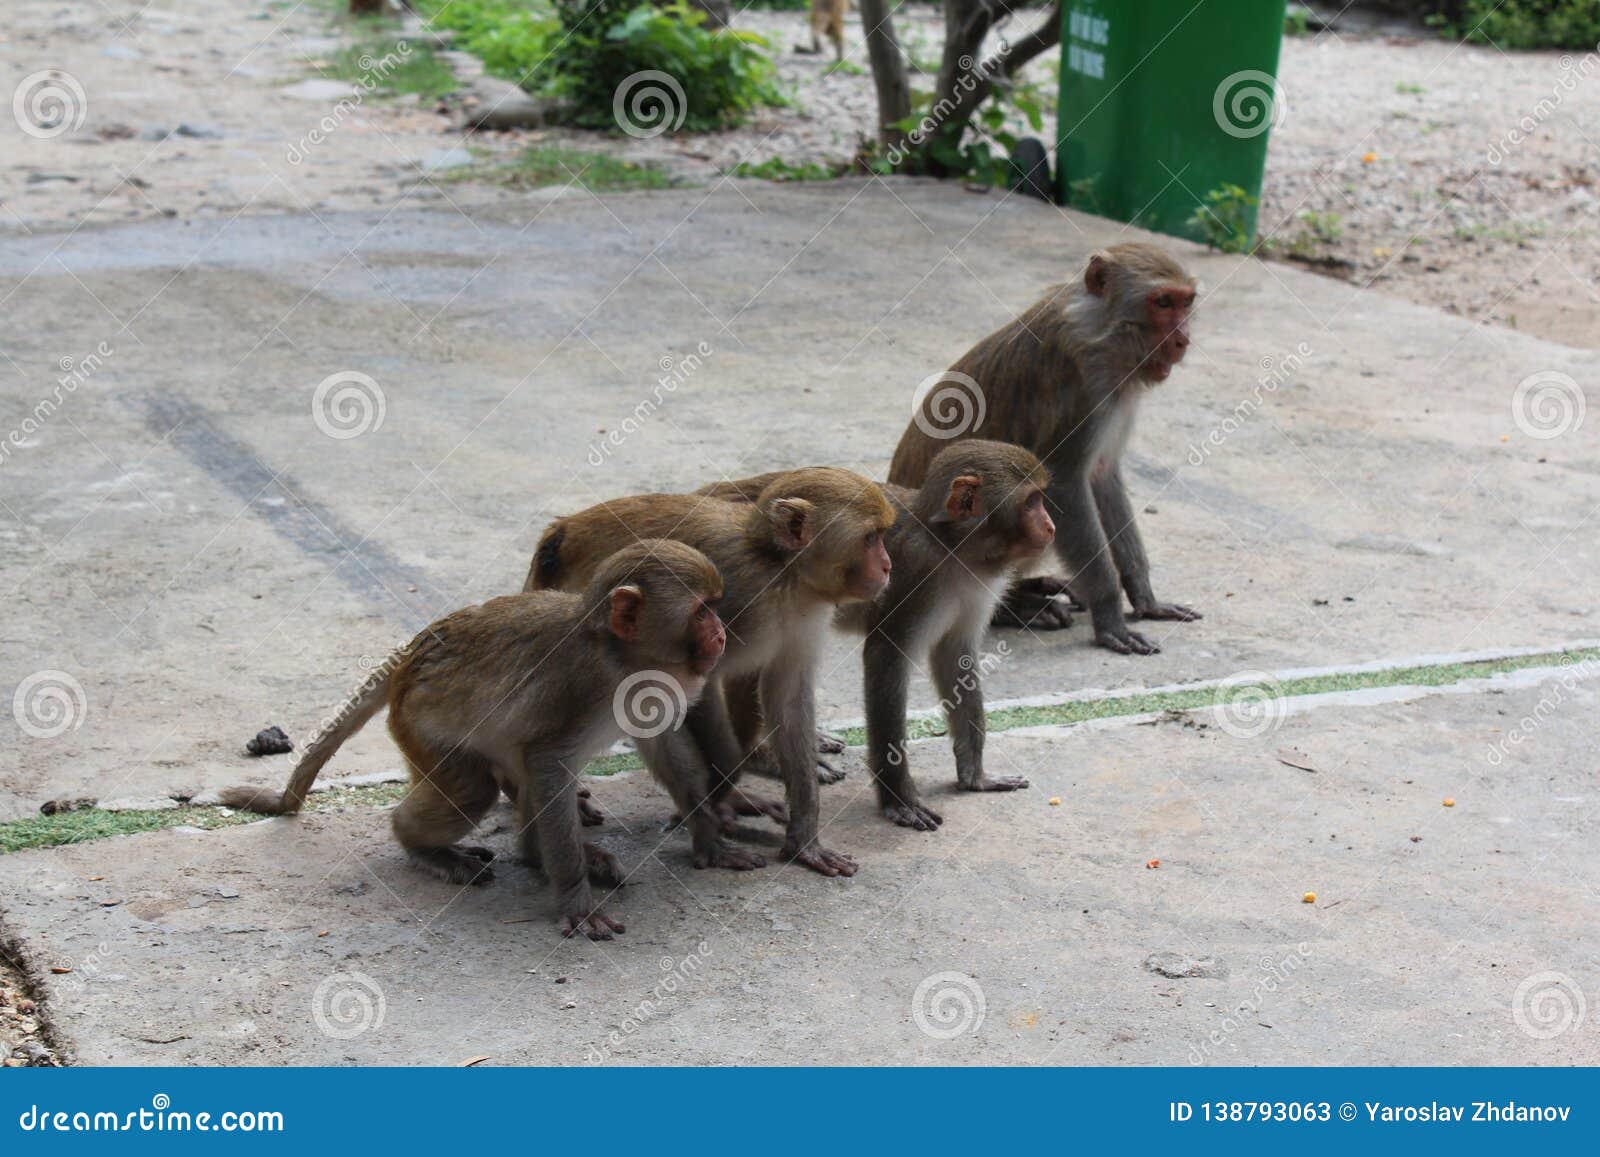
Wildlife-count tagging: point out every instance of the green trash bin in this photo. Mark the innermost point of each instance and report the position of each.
(1163, 101)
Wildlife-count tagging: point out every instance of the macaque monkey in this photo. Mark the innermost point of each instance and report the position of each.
(827, 19)
(956, 544)
(518, 694)
(1064, 380)
(811, 541)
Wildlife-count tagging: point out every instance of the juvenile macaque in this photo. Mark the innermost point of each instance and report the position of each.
(1064, 380)
(956, 544)
(518, 694)
(827, 19)
(811, 541)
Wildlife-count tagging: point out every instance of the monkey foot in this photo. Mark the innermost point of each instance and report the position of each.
(997, 783)
(829, 743)
(587, 812)
(819, 859)
(1125, 642)
(459, 864)
(604, 868)
(596, 926)
(1170, 612)
(741, 803)
(720, 855)
(1032, 612)
(828, 772)
(913, 815)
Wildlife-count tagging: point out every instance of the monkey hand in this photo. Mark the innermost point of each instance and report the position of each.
(1123, 641)
(604, 868)
(913, 815)
(814, 856)
(828, 743)
(996, 783)
(1173, 612)
(721, 855)
(596, 926)
(827, 772)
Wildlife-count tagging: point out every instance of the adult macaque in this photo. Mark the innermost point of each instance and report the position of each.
(827, 19)
(956, 544)
(1064, 380)
(518, 694)
(811, 541)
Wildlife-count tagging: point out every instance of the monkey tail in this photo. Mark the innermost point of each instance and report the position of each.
(545, 573)
(374, 694)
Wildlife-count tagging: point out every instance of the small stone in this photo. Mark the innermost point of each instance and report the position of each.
(442, 161)
(269, 740)
(1180, 966)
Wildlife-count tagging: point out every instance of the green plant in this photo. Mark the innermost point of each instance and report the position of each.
(714, 78)
(1224, 218)
(778, 169)
(393, 66)
(1324, 227)
(1529, 23)
(1297, 21)
(980, 151)
(513, 38)
(539, 166)
(1405, 88)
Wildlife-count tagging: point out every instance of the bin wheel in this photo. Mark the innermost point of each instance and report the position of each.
(1030, 169)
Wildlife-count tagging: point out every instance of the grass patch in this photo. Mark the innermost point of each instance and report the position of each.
(540, 166)
(392, 66)
(778, 169)
(93, 824)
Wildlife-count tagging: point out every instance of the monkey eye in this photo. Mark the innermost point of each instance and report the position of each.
(874, 538)
(1164, 301)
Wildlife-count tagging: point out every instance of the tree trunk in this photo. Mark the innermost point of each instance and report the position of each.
(888, 70)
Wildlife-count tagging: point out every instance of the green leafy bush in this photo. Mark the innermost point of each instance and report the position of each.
(512, 38)
(721, 76)
(1531, 23)
(1224, 218)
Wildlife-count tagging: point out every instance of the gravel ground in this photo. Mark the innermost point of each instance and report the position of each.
(1461, 177)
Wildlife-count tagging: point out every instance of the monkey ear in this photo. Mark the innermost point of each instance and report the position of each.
(1097, 278)
(627, 606)
(791, 522)
(965, 499)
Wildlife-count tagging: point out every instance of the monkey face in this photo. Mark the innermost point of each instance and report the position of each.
(1036, 530)
(707, 638)
(869, 577)
(1167, 309)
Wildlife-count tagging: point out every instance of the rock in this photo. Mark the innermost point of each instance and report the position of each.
(445, 159)
(1394, 544)
(499, 104)
(1180, 966)
(269, 741)
(318, 89)
(51, 807)
(154, 133)
(160, 804)
(198, 132)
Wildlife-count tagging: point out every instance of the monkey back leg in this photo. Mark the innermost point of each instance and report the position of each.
(444, 804)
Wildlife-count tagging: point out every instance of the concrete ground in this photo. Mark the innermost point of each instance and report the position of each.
(1334, 476)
